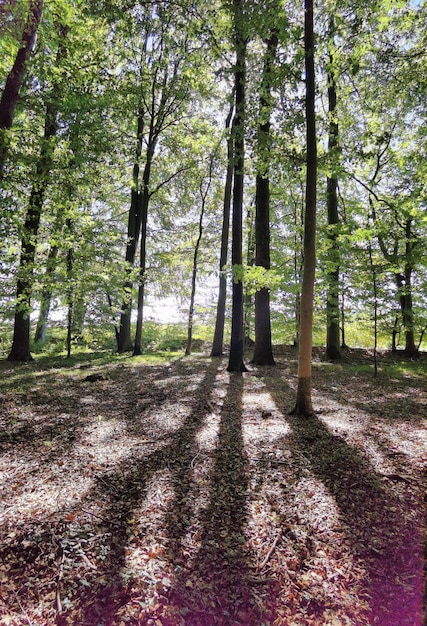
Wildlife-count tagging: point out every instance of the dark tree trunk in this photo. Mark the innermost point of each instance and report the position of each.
(404, 286)
(203, 195)
(263, 349)
(248, 300)
(134, 226)
(304, 405)
(218, 340)
(375, 294)
(145, 199)
(16, 77)
(394, 334)
(235, 363)
(332, 301)
(20, 350)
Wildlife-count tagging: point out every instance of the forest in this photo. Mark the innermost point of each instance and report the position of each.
(213, 312)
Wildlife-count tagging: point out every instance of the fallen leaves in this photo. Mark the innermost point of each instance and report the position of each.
(186, 496)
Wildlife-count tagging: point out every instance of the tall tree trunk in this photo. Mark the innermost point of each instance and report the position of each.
(332, 299)
(263, 349)
(248, 300)
(145, 199)
(375, 294)
(235, 363)
(218, 339)
(20, 350)
(203, 194)
(70, 290)
(16, 77)
(134, 226)
(304, 405)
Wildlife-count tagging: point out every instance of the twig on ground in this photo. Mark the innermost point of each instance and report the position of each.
(30, 623)
(270, 552)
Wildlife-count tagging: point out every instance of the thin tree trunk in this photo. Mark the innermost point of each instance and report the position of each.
(134, 226)
(375, 294)
(15, 79)
(195, 263)
(46, 296)
(235, 363)
(332, 299)
(263, 349)
(20, 350)
(218, 340)
(304, 405)
(250, 262)
(70, 290)
(145, 199)
(343, 343)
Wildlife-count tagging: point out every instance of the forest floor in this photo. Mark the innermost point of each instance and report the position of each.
(178, 494)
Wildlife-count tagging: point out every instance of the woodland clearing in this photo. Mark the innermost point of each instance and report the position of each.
(175, 493)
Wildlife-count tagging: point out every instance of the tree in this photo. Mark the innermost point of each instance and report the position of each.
(218, 339)
(263, 350)
(20, 350)
(304, 407)
(15, 79)
(203, 197)
(235, 362)
(333, 272)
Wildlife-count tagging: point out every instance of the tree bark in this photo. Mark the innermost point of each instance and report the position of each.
(263, 349)
(304, 407)
(145, 199)
(195, 261)
(332, 300)
(134, 226)
(20, 350)
(15, 79)
(218, 339)
(235, 363)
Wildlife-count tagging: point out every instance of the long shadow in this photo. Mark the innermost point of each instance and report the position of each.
(388, 545)
(220, 585)
(122, 492)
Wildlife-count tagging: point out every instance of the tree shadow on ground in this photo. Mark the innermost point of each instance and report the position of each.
(220, 585)
(386, 542)
(122, 492)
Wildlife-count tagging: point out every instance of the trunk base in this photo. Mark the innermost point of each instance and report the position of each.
(19, 356)
(303, 406)
(265, 359)
(333, 353)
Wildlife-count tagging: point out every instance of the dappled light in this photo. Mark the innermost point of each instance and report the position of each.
(187, 495)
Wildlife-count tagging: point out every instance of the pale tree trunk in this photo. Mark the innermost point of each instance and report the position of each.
(304, 405)
(15, 79)
(332, 299)
(46, 296)
(263, 349)
(70, 289)
(218, 339)
(235, 363)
